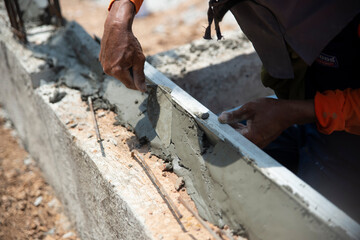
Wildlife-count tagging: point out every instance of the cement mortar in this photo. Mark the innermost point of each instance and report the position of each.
(220, 176)
(216, 73)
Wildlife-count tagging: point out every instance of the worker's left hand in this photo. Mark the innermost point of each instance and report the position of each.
(267, 118)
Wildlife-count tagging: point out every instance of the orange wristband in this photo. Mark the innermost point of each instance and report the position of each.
(137, 4)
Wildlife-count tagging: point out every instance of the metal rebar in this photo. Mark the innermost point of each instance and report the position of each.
(20, 19)
(55, 10)
(156, 182)
(10, 12)
(98, 137)
(15, 17)
(206, 226)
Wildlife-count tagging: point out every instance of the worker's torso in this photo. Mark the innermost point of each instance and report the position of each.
(338, 65)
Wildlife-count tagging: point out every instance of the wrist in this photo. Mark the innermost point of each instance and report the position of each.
(121, 14)
(299, 112)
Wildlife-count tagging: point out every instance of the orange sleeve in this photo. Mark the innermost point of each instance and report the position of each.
(137, 4)
(338, 111)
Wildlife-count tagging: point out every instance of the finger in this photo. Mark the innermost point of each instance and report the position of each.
(125, 77)
(252, 137)
(139, 76)
(246, 132)
(234, 116)
(237, 125)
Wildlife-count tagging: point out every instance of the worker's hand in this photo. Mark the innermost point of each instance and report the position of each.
(267, 118)
(120, 51)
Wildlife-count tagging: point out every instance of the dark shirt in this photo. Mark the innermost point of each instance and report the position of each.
(338, 65)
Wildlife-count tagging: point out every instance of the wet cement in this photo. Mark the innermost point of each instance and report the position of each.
(57, 96)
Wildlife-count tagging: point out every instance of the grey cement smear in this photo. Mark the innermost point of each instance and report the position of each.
(231, 181)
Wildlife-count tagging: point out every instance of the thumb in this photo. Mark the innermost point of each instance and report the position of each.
(233, 116)
(139, 76)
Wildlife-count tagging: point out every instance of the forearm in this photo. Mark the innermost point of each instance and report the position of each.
(299, 111)
(121, 53)
(121, 14)
(332, 110)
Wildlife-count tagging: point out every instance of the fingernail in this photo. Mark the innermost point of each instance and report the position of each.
(223, 118)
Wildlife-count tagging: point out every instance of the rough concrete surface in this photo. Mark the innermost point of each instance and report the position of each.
(107, 200)
(69, 170)
(231, 181)
(107, 197)
(215, 72)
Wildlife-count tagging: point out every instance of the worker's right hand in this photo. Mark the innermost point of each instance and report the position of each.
(120, 50)
(267, 118)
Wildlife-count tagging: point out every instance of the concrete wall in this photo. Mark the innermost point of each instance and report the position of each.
(231, 180)
(75, 176)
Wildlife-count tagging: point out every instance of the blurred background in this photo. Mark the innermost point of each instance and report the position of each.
(160, 25)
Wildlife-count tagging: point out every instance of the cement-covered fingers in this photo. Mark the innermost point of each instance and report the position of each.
(121, 54)
(265, 120)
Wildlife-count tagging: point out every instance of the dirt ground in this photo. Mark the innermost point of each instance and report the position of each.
(28, 206)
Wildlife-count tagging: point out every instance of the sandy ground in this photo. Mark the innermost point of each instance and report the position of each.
(28, 207)
(156, 32)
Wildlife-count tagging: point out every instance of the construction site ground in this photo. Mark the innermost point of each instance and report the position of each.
(29, 208)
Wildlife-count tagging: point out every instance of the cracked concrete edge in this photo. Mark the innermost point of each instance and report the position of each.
(224, 193)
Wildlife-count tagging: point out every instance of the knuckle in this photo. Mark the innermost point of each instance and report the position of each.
(250, 105)
(119, 68)
(142, 58)
(127, 84)
(107, 69)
